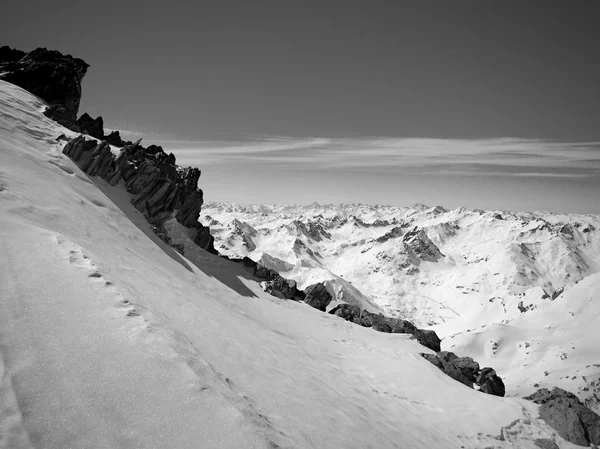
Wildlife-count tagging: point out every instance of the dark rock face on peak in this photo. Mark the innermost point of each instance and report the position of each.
(52, 76)
(381, 323)
(114, 139)
(8, 54)
(317, 296)
(418, 242)
(159, 188)
(564, 412)
(466, 371)
(90, 126)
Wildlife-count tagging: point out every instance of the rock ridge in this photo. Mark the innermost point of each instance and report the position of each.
(160, 189)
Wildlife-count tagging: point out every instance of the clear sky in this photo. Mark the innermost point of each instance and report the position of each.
(488, 104)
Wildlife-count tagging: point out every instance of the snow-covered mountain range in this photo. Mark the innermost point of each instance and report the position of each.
(513, 289)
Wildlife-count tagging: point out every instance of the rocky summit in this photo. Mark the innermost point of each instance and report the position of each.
(52, 76)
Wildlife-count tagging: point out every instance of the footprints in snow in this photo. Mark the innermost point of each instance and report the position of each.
(77, 257)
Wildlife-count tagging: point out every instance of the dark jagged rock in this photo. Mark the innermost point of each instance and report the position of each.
(466, 371)
(429, 339)
(317, 296)
(277, 285)
(77, 147)
(461, 369)
(205, 240)
(160, 188)
(52, 76)
(564, 412)
(90, 126)
(349, 312)
(190, 210)
(8, 54)
(114, 139)
(395, 232)
(489, 382)
(249, 263)
(381, 323)
(287, 288)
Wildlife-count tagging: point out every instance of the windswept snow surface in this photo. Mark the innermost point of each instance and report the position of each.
(110, 339)
(516, 291)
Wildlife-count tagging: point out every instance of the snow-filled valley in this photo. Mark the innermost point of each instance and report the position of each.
(110, 338)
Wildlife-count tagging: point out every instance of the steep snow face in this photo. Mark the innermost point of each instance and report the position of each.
(456, 270)
(110, 338)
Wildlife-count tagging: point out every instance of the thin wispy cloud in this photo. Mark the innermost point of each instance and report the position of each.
(516, 157)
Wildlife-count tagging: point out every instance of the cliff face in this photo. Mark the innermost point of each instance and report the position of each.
(160, 189)
(52, 76)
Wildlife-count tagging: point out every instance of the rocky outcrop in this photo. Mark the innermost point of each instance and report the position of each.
(466, 371)
(114, 139)
(317, 296)
(159, 188)
(275, 284)
(381, 323)
(90, 126)
(564, 412)
(489, 382)
(52, 76)
(8, 54)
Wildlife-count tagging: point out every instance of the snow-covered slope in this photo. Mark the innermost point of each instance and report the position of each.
(111, 339)
(472, 275)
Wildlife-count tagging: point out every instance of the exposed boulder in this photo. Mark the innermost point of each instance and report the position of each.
(381, 323)
(564, 412)
(461, 369)
(317, 296)
(52, 76)
(428, 338)
(466, 371)
(489, 382)
(90, 126)
(285, 288)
